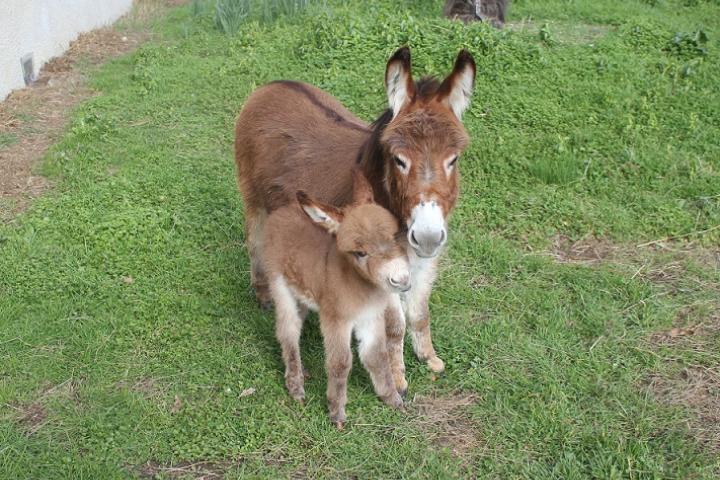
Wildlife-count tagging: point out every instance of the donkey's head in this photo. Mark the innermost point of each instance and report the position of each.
(366, 235)
(421, 145)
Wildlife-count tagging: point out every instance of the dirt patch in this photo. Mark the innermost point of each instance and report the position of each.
(587, 250)
(693, 329)
(573, 33)
(447, 421)
(32, 119)
(201, 470)
(31, 416)
(696, 390)
(148, 387)
(664, 263)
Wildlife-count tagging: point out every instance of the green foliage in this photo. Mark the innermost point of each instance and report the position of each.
(688, 45)
(272, 9)
(128, 284)
(230, 14)
(7, 139)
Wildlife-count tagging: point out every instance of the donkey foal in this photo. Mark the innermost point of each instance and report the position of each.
(349, 270)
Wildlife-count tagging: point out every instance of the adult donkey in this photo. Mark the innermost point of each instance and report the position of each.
(292, 136)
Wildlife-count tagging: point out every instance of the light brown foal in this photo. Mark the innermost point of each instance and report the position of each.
(347, 265)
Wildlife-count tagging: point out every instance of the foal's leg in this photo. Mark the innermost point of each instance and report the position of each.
(418, 315)
(372, 347)
(254, 224)
(338, 361)
(395, 333)
(288, 326)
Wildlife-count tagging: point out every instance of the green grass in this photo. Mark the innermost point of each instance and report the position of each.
(7, 139)
(127, 286)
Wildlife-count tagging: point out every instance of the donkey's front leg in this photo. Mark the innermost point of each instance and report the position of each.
(395, 333)
(418, 312)
(338, 360)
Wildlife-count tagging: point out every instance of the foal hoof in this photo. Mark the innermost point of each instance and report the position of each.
(403, 393)
(394, 401)
(401, 385)
(297, 392)
(306, 373)
(436, 365)
(338, 420)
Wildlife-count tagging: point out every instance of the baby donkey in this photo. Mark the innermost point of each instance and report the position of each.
(348, 270)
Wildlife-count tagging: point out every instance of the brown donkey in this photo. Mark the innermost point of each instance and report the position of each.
(349, 271)
(292, 136)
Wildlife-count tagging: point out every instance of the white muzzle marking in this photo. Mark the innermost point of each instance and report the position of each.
(426, 232)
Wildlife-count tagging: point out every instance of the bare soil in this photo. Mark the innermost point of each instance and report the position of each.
(201, 470)
(447, 422)
(696, 390)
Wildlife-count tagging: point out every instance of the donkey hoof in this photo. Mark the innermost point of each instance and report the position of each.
(340, 426)
(403, 393)
(306, 374)
(436, 365)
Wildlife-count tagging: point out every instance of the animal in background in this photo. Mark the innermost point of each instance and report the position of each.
(491, 11)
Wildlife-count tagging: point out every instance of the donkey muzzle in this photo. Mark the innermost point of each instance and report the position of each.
(427, 233)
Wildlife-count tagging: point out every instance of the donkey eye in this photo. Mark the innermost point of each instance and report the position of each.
(452, 162)
(400, 163)
(360, 255)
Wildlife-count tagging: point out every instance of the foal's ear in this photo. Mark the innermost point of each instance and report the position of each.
(398, 80)
(326, 216)
(457, 88)
(362, 191)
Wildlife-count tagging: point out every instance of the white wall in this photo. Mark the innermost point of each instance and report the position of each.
(46, 28)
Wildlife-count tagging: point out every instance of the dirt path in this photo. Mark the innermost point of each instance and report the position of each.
(33, 118)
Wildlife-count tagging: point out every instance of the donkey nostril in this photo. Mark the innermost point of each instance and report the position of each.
(413, 240)
(443, 235)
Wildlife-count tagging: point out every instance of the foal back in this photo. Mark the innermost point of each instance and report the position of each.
(292, 136)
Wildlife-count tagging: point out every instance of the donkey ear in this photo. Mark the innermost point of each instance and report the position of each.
(398, 80)
(457, 88)
(362, 191)
(326, 216)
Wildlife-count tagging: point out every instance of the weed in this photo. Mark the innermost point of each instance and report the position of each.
(230, 14)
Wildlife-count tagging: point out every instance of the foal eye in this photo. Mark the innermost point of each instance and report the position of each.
(360, 255)
(452, 162)
(400, 163)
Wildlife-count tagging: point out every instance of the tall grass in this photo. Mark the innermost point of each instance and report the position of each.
(272, 9)
(230, 14)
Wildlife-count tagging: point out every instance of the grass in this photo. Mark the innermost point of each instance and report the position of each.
(128, 330)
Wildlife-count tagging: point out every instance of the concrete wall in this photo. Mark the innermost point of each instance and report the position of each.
(45, 28)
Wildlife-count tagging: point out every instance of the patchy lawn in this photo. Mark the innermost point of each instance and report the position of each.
(577, 306)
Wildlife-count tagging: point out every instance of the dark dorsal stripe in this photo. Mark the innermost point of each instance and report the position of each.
(329, 112)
